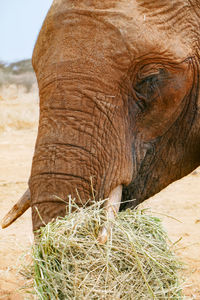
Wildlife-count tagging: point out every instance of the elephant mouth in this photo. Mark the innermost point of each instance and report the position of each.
(111, 206)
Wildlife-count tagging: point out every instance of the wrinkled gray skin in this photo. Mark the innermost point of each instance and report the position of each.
(119, 100)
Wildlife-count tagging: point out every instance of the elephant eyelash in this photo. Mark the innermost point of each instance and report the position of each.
(141, 101)
(149, 82)
(153, 78)
(146, 90)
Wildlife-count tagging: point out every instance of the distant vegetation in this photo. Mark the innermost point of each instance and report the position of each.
(18, 73)
(18, 96)
(18, 67)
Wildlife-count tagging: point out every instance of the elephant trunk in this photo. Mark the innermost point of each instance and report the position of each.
(77, 140)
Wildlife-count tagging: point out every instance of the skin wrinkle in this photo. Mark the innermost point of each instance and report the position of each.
(49, 175)
(105, 126)
(169, 10)
(148, 156)
(195, 5)
(176, 20)
(113, 166)
(116, 148)
(94, 161)
(84, 91)
(92, 136)
(108, 120)
(89, 153)
(53, 174)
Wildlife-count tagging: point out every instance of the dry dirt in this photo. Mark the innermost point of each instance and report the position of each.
(180, 200)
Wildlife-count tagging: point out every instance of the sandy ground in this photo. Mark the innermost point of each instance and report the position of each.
(180, 200)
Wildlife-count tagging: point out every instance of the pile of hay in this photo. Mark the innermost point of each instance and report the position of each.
(136, 262)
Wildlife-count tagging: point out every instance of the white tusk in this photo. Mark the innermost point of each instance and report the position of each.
(112, 207)
(17, 210)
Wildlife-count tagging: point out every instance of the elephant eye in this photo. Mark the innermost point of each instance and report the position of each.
(148, 89)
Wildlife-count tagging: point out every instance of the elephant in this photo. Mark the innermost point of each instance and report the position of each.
(119, 103)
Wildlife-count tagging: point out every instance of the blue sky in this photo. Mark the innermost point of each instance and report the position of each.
(20, 22)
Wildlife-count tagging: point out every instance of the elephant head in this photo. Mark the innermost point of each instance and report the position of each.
(119, 102)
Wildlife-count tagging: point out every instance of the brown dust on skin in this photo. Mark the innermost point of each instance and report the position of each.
(180, 200)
